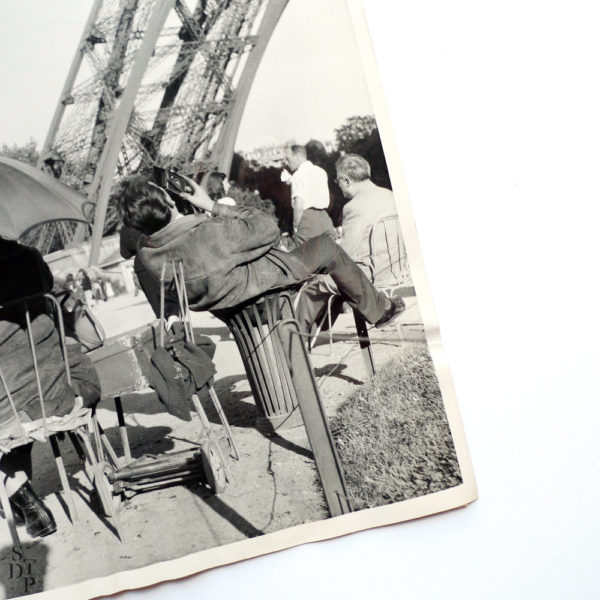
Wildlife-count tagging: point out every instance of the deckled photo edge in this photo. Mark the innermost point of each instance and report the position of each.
(415, 257)
(376, 517)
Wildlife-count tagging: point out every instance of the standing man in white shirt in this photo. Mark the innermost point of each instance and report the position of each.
(310, 197)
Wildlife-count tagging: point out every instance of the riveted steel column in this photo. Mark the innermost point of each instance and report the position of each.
(70, 80)
(101, 185)
(225, 144)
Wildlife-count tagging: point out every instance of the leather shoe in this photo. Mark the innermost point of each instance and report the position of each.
(38, 518)
(395, 308)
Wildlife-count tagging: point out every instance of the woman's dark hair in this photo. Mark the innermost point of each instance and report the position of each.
(85, 278)
(214, 185)
(142, 205)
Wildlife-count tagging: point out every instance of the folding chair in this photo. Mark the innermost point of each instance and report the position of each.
(390, 274)
(79, 424)
(282, 381)
(123, 364)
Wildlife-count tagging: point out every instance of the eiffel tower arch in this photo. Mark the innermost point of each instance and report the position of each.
(155, 81)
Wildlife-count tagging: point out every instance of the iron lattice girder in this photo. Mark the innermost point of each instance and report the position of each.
(206, 79)
(183, 105)
(207, 48)
(111, 84)
(217, 48)
(201, 109)
(215, 80)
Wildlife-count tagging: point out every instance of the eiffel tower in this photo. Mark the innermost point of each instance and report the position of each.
(154, 82)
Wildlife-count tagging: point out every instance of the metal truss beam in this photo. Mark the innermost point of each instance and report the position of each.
(102, 183)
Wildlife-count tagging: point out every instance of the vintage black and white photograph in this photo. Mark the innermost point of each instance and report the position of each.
(216, 336)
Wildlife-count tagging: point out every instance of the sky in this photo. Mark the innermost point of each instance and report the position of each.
(308, 83)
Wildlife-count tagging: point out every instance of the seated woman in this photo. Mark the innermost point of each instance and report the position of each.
(23, 272)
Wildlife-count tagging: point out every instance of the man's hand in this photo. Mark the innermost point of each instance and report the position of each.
(297, 212)
(199, 198)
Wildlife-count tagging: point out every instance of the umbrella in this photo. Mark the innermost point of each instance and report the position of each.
(30, 197)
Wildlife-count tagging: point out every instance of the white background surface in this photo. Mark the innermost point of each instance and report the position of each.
(495, 108)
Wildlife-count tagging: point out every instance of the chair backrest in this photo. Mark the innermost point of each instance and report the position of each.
(178, 282)
(389, 262)
(24, 311)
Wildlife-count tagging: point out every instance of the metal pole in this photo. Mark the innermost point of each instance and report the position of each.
(315, 420)
(101, 185)
(68, 86)
(227, 137)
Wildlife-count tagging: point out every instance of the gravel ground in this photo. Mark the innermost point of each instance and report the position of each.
(273, 486)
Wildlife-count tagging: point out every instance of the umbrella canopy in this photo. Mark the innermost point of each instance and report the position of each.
(30, 197)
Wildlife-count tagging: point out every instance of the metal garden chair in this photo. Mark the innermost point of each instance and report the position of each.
(282, 381)
(80, 424)
(390, 274)
(253, 325)
(123, 364)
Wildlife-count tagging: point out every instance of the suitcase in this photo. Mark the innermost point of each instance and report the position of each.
(123, 361)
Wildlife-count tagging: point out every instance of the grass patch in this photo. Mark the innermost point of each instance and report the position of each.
(393, 436)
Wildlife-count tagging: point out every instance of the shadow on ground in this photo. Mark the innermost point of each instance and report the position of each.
(336, 370)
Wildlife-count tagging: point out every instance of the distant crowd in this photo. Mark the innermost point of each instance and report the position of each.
(88, 289)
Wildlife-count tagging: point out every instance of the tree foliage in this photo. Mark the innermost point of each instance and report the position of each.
(357, 135)
(27, 153)
(354, 130)
(360, 135)
(245, 197)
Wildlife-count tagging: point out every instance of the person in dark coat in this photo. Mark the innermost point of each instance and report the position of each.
(23, 272)
(231, 258)
(129, 240)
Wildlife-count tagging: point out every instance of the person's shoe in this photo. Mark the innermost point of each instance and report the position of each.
(395, 308)
(38, 518)
(18, 515)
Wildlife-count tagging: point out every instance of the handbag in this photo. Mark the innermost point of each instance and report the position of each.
(81, 325)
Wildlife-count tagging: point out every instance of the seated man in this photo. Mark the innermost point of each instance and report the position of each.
(23, 272)
(230, 258)
(367, 205)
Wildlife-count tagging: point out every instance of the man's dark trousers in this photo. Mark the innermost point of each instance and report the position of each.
(314, 222)
(322, 255)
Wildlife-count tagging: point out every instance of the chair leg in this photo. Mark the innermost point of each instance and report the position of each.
(94, 428)
(209, 434)
(64, 479)
(329, 303)
(399, 331)
(223, 418)
(77, 437)
(327, 315)
(365, 343)
(101, 484)
(107, 445)
(123, 429)
(8, 513)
